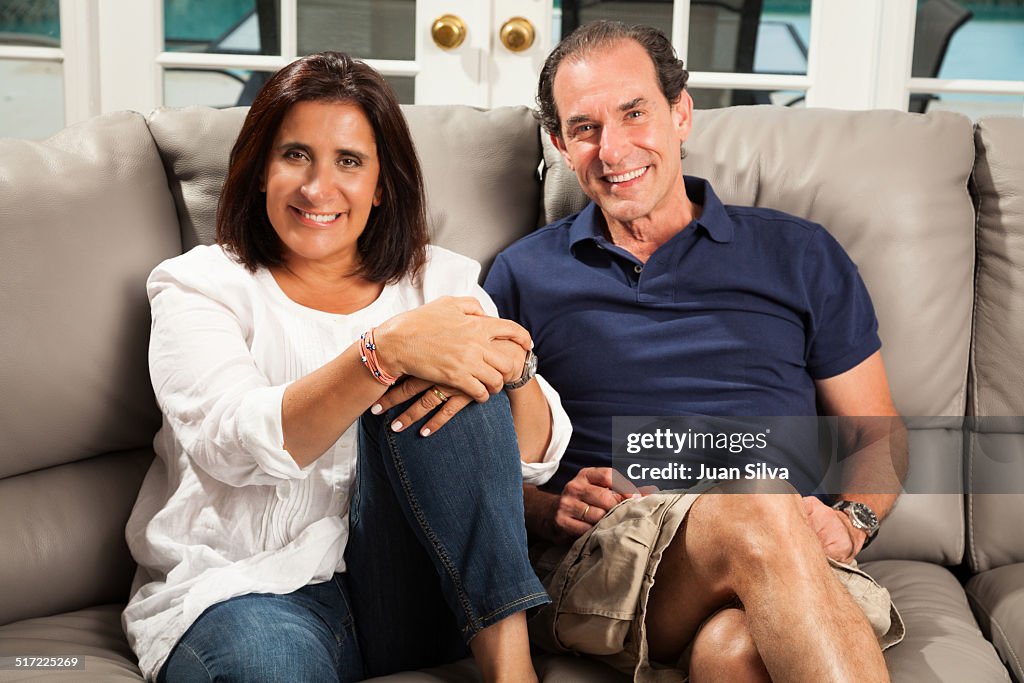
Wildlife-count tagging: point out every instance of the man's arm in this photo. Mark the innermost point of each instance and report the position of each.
(871, 431)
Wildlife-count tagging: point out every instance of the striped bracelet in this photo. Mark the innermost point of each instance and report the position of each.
(368, 354)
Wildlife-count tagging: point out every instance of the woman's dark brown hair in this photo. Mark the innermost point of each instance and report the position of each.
(394, 240)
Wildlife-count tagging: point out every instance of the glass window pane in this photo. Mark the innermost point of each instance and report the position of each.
(223, 26)
(973, 106)
(369, 29)
(716, 98)
(30, 22)
(983, 39)
(733, 36)
(32, 98)
(212, 87)
(404, 87)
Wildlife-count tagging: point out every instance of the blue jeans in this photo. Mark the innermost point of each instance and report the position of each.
(308, 635)
(436, 552)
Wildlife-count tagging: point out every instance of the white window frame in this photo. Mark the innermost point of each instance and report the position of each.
(859, 57)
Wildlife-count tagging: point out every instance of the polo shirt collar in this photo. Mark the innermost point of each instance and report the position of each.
(714, 218)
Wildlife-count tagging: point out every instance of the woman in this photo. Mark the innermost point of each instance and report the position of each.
(267, 351)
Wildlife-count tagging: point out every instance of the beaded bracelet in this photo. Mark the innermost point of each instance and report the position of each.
(369, 358)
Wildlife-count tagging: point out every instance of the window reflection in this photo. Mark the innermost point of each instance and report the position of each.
(30, 22)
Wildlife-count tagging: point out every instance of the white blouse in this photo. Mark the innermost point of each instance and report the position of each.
(224, 510)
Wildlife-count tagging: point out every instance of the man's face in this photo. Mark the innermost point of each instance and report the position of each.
(619, 134)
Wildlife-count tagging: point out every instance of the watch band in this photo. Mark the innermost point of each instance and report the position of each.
(529, 370)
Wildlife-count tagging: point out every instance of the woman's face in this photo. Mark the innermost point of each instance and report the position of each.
(321, 182)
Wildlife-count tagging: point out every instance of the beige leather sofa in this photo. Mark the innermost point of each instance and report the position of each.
(86, 215)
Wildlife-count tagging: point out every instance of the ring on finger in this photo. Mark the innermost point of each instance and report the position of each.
(583, 517)
(441, 396)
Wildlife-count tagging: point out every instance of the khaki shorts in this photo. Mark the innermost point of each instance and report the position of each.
(599, 588)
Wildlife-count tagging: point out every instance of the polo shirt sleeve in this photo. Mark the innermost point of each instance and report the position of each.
(843, 329)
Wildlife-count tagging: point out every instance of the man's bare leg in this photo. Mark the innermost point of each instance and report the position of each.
(502, 651)
(758, 548)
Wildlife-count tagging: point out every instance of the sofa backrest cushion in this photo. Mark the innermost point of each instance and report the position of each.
(85, 217)
(996, 456)
(479, 170)
(892, 188)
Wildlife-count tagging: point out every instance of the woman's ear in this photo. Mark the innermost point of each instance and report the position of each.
(377, 195)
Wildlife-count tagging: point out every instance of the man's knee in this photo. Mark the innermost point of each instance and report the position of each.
(724, 650)
(745, 525)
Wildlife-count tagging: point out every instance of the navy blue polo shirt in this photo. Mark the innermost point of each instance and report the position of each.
(736, 315)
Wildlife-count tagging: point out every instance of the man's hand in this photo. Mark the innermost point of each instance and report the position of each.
(839, 538)
(583, 502)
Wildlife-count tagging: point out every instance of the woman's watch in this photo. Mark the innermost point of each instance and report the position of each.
(529, 370)
(862, 517)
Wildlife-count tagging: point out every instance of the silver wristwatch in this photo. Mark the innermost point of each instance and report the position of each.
(862, 517)
(529, 370)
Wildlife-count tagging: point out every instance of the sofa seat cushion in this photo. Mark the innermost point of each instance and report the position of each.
(94, 634)
(943, 640)
(998, 601)
(550, 669)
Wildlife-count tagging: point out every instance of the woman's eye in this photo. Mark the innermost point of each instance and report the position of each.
(349, 163)
(294, 154)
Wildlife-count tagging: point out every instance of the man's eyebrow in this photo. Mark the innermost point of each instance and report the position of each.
(632, 104)
(577, 118)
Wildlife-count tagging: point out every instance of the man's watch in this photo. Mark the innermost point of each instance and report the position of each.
(862, 517)
(529, 370)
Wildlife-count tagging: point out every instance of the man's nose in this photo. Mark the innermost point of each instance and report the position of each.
(614, 145)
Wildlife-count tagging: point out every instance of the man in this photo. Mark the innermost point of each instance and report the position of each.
(656, 299)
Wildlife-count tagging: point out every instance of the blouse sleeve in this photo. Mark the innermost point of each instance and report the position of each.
(222, 409)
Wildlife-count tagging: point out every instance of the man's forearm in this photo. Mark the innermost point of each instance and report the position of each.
(876, 468)
(541, 508)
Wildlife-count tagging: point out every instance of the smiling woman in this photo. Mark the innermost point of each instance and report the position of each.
(273, 356)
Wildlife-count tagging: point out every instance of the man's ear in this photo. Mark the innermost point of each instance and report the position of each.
(559, 144)
(682, 115)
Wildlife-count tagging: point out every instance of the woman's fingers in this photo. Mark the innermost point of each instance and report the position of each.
(400, 393)
(446, 412)
(443, 401)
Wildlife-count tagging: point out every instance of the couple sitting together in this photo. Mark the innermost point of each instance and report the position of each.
(355, 446)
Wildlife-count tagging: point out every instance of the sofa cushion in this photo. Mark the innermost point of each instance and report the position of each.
(479, 170)
(66, 550)
(85, 217)
(998, 603)
(93, 634)
(996, 455)
(943, 642)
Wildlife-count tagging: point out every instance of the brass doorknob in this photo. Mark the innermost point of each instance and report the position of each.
(517, 34)
(448, 31)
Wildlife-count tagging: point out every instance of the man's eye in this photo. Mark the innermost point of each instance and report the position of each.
(635, 114)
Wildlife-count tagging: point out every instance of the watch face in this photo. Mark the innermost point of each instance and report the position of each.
(864, 515)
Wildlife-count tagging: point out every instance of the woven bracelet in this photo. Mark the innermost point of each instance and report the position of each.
(368, 354)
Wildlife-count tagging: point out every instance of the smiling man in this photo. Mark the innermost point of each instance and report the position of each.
(657, 299)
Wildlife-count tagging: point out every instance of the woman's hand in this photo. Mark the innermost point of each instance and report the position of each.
(445, 400)
(451, 342)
